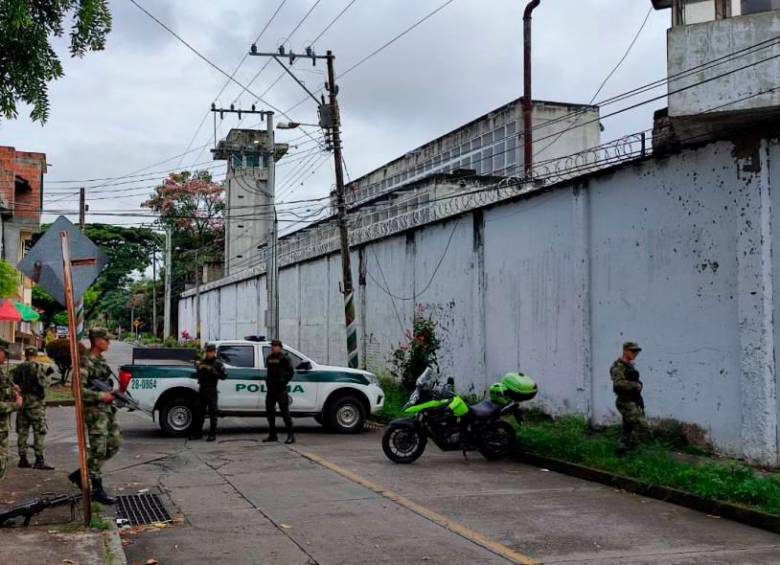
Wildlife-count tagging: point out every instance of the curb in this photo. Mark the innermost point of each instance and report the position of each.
(114, 554)
(55, 403)
(373, 426)
(728, 510)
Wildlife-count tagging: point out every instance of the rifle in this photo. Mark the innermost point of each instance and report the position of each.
(37, 505)
(121, 399)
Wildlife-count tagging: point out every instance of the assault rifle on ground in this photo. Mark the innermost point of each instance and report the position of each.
(121, 399)
(35, 506)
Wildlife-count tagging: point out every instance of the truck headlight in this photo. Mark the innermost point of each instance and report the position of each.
(372, 379)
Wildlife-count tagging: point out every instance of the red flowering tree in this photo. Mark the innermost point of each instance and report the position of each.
(418, 351)
(192, 205)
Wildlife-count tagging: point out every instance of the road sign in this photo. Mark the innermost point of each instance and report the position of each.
(65, 262)
(137, 323)
(43, 263)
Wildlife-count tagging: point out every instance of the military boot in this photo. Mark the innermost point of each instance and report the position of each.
(24, 463)
(41, 464)
(75, 477)
(290, 438)
(99, 494)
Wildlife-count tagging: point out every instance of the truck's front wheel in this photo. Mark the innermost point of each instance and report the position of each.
(177, 416)
(345, 415)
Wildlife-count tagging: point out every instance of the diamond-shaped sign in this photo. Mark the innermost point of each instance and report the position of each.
(43, 263)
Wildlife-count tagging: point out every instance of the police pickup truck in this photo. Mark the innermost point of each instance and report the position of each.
(337, 397)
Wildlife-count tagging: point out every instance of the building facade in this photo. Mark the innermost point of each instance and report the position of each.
(21, 200)
(489, 145)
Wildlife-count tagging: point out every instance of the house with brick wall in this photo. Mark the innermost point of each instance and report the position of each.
(21, 200)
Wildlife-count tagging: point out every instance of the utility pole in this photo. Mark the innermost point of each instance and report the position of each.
(154, 293)
(198, 276)
(330, 120)
(341, 204)
(167, 305)
(82, 223)
(271, 269)
(82, 208)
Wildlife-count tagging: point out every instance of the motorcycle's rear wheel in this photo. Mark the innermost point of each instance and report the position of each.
(403, 444)
(498, 441)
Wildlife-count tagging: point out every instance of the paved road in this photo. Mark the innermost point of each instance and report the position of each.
(336, 499)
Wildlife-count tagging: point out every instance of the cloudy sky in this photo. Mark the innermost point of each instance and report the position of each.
(129, 109)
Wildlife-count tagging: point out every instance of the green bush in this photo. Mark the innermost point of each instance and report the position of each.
(410, 359)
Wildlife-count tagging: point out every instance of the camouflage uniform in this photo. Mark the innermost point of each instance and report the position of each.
(7, 405)
(33, 379)
(99, 418)
(628, 387)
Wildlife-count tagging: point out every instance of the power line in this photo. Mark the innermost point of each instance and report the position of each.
(259, 72)
(206, 59)
(227, 82)
(384, 46)
(606, 79)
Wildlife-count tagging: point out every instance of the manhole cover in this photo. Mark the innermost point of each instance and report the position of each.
(140, 509)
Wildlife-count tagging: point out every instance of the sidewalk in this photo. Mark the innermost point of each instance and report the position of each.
(52, 538)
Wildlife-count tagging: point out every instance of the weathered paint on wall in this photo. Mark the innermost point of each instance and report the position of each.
(677, 253)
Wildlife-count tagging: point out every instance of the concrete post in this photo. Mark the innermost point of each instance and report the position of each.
(581, 266)
(755, 306)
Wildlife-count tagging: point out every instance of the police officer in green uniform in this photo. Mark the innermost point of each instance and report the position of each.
(10, 401)
(32, 378)
(99, 414)
(628, 389)
(210, 371)
(279, 372)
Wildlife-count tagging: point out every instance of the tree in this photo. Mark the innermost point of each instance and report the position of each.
(9, 280)
(129, 251)
(28, 61)
(191, 205)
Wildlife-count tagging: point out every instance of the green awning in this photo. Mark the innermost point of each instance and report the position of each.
(27, 312)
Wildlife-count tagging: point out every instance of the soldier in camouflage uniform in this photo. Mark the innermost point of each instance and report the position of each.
(10, 401)
(99, 414)
(32, 378)
(628, 388)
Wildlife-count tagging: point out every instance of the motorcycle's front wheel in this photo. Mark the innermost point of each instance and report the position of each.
(498, 440)
(403, 444)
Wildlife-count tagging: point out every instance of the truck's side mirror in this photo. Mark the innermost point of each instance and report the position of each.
(303, 366)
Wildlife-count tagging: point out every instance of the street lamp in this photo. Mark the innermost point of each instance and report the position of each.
(293, 125)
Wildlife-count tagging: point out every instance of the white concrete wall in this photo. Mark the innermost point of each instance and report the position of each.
(676, 253)
(691, 46)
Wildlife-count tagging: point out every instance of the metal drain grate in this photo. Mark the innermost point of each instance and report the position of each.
(140, 509)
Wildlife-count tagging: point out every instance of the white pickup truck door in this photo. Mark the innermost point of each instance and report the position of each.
(241, 391)
(303, 387)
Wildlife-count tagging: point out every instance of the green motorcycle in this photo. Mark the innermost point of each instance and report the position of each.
(434, 411)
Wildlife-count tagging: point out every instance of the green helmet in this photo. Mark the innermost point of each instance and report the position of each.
(519, 386)
(497, 393)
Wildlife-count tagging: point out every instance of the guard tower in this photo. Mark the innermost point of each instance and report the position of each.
(249, 196)
(723, 60)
